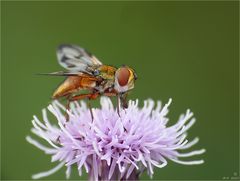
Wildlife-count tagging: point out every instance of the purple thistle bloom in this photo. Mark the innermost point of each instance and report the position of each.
(110, 147)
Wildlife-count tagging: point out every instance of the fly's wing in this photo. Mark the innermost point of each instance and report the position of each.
(62, 73)
(76, 59)
(67, 74)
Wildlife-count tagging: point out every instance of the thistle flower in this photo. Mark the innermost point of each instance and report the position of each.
(113, 147)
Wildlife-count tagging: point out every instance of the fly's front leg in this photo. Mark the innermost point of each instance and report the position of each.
(118, 105)
(114, 93)
(121, 102)
(124, 102)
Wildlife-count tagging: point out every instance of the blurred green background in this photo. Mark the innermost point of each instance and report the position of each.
(184, 50)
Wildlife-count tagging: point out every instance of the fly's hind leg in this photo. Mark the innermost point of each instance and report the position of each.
(66, 115)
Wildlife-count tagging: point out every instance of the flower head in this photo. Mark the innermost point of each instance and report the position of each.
(110, 146)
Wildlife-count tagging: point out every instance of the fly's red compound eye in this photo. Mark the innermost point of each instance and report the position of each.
(123, 75)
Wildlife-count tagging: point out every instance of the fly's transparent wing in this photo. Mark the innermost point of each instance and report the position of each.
(62, 73)
(76, 59)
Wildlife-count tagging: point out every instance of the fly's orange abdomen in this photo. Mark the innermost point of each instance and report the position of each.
(73, 84)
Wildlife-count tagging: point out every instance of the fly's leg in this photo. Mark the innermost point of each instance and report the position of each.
(66, 115)
(83, 96)
(124, 102)
(90, 108)
(118, 105)
(89, 96)
(67, 108)
(114, 93)
(75, 98)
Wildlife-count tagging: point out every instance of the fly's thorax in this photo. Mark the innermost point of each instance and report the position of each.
(107, 72)
(124, 79)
